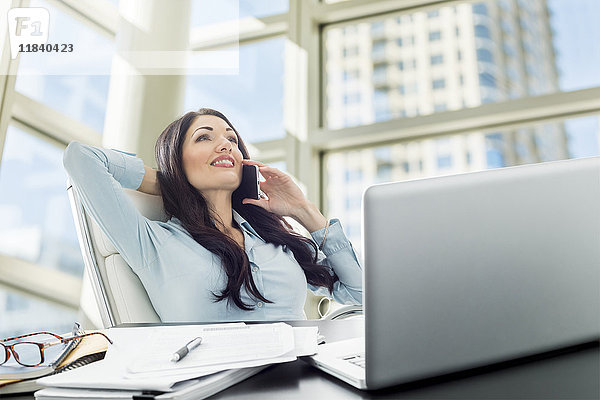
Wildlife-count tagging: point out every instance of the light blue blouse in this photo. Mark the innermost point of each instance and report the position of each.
(179, 274)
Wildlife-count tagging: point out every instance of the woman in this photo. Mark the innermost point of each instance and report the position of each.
(215, 259)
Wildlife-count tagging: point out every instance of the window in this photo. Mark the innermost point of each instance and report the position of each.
(482, 150)
(444, 161)
(261, 72)
(379, 74)
(400, 65)
(434, 36)
(438, 84)
(207, 12)
(36, 223)
(399, 42)
(560, 65)
(76, 87)
(437, 59)
(482, 31)
(485, 79)
(377, 28)
(433, 14)
(480, 8)
(378, 51)
(24, 314)
(494, 153)
(484, 55)
(384, 174)
(381, 105)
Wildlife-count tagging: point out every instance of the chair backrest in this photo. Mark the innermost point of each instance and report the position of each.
(119, 294)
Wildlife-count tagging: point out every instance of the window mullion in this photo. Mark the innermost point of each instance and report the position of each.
(254, 29)
(41, 282)
(517, 112)
(51, 122)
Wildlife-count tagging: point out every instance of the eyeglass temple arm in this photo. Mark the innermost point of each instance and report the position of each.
(31, 334)
(86, 334)
(60, 338)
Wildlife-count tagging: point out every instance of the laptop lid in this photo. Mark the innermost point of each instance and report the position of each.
(472, 269)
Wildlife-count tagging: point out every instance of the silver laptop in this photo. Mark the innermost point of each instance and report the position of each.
(468, 270)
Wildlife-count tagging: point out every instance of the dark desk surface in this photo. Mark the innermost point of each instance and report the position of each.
(572, 375)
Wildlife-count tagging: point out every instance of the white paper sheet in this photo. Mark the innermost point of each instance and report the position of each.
(222, 347)
(129, 343)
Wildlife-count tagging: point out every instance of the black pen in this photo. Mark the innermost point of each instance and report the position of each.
(182, 352)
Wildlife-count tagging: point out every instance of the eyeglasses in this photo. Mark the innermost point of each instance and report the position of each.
(31, 354)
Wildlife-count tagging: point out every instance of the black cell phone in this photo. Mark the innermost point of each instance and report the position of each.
(250, 186)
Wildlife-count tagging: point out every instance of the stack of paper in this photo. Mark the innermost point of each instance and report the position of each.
(140, 359)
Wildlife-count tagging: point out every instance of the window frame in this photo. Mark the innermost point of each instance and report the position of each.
(307, 139)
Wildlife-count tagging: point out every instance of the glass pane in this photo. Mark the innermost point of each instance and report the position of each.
(20, 315)
(456, 56)
(4, 7)
(251, 100)
(36, 223)
(61, 82)
(349, 173)
(207, 12)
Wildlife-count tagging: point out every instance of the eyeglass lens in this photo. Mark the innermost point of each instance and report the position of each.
(2, 353)
(29, 353)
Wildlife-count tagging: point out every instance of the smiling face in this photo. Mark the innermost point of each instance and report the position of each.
(210, 155)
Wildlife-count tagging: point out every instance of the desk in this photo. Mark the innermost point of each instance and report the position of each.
(574, 375)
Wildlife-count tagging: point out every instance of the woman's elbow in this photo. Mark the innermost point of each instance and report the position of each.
(71, 155)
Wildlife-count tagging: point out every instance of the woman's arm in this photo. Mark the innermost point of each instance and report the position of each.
(338, 255)
(310, 217)
(149, 183)
(98, 176)
(286, 199)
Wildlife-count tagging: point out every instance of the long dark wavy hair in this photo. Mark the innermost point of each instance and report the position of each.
(183, 201)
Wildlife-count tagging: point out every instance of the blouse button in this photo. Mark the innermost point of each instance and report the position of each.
(259, 304)
(254, 269)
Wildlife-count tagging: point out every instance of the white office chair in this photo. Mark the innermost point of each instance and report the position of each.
(119, 294)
